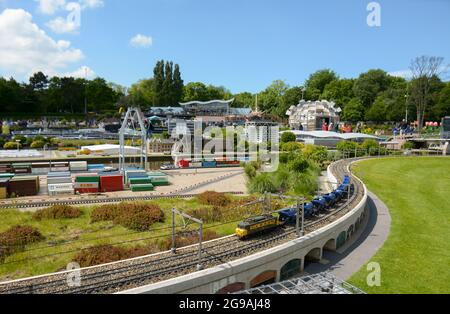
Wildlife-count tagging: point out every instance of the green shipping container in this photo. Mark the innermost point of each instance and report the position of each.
(135, 181)
(160, 181)
(90, 179)
(157, 174)
(142, 188)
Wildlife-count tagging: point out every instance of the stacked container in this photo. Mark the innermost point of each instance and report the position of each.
(96, 168)
(24, 168)
(24, 186)
(111, 183)
(4, 188)
(78, 166)
(61, 189)
(159, 178)
(87, 184)
(60, 166)
(132, 174)
(5, 168)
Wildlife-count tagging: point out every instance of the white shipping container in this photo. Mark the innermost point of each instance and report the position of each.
(195, 165)
(51, 181)
(78, 166)
(61, 192)
(60, 187)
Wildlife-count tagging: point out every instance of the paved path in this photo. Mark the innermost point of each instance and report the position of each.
(361, 248)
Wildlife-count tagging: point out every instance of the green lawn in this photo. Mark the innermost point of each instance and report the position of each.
(416, 256)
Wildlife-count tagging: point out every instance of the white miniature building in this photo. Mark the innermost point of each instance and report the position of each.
(311, 115)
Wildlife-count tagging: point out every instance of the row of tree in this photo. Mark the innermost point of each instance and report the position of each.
(66, 95)
(373, 96)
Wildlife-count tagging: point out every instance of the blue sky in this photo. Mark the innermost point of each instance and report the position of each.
(241, 44)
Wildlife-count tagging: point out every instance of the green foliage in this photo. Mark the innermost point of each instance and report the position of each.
(12, 145)
(317, 82)
(408, 145)
(292, 147)
(347, 146)
(37, 144)
(353, 111)
(369, 85)
(288, 137)
(2, 142)
(263, 182)
(298, 164)
(339, 91)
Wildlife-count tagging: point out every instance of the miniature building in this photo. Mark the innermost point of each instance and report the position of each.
(161, 146)
(311, 115)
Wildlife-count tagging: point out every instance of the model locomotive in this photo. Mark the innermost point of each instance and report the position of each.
(269, 222)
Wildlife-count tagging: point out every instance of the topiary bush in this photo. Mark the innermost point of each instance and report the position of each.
(37, 144)
(58, 212)
(213, 198)
(12, 145)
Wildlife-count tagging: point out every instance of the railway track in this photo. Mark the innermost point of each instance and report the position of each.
(129, 274)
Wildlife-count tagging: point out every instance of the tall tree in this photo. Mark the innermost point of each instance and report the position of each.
(158, 84)
(339, 91)
(178, 85)
(167, 93)
(369, 85)
(317, 81)
(423, 70)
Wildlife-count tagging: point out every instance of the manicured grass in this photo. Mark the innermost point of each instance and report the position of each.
(68, 236)
(416, 256)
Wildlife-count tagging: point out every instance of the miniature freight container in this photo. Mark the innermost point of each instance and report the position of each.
(209, 164)
(160, 181)
(184, 163)
(60, 189)
(195, 165)
(4, 182)
(86, 187)
(58, 174)
(6, 175)
(142, 188)
(156, 174)
(59, 180)
(78, 166)
(135, 174)
(24, 186)
(3, 193)
(111, 183)
(88, 179)
(134, 181)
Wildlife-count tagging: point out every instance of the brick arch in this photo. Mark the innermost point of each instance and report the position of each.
(234, 287)
(264, 278)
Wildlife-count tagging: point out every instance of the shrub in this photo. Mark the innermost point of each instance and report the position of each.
(58, 212)
(292, 147)
(207, 214)
(104, 213)
(262, 183)
(15, 239)
(408, 145)
(287, 137)
(12, 145)
(137, 216)
(37, 144)
(188, 239)
(213, 198)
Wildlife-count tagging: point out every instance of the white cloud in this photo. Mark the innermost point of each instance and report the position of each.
(61, 26)
(25, 48)
(141, 41)
(91, 4)
(50, 6)
(82, 72)
(406, 74)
